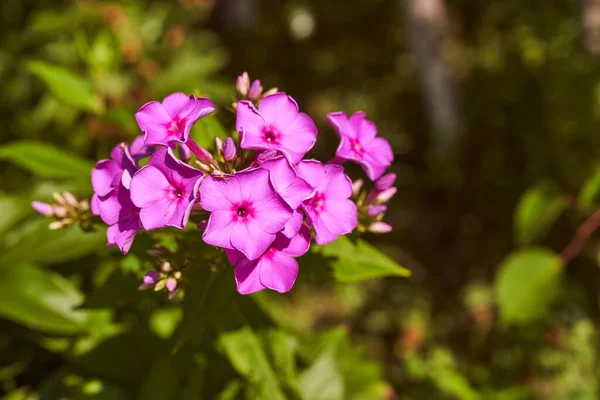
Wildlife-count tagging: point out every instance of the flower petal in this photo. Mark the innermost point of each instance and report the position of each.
(278, 272)
(149, 186)
(250, 239)
(153, 120)
(312, 171)
(297, 246)
(105, 176)
(158, 214)
(336, 182)
(279, 110)
(218, 230)
(247, 277)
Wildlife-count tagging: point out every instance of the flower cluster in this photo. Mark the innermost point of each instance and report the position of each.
(256, 197)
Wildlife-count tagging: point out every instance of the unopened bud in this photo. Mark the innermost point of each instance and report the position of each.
(43, 208)
(67, 221)
(165, 267)
(59, 199)
(184, 152)
(380, 227)
(385, 182)
(55, 225)
(59, 211)
(229, 150)
(243, 84)
(204, 156)
(356, 186)
(70, 199)
(376, 209)
(203, 167)
(386, 195)
(160, 285)
(202, 224)
(255, 90)
(151, 278)
(218, 144)
(177, 275)
(270, 92)
(171, 284)
(84, 205)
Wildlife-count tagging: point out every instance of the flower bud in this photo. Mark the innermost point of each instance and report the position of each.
(380, 227)
(255, 90)
(171, 284)
(70, 199)
(204, 156)
(202, 224)
(165, 267)
(59, 199)
(55, 225)
(386, 195)
(160, 285)
(243, 84)
(356, 186)
(219, 144)
(59, 211)
(184, 152)
(270, 92)
(376, 209)
(43, 208)
(385, 182)
(229, 150)
(151, 278)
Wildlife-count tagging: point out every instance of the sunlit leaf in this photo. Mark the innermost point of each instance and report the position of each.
(40, 299)
(68, 87)
(46, 160)
(536, 211)
(35, 242)
(526, 283)
(322, 381)
(360, 261)
(246, 354)
(206, 130)
(590, 191)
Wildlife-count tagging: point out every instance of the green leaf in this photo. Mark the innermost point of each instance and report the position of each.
(40, 299)
(537, 211)
(45, 160)
(67, 87)
(283, 352)
(360, 261)
(452, 383)
(590, 191)
(248, 357)
(206, 130)
(322, 381)
(164, 321)
(526, 283)
(231, 391)
(35, 242)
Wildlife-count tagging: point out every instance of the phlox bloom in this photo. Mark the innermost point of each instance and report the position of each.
(246, 212)
(165, 190)
(276, 269)
(329, 211)
(276, 125)
(359, 143)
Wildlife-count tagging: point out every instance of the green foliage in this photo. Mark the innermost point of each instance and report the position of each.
(46, 160)
(68, 87)
(527, 282)
(590, 191)
(359, 261)
(40, 299)
(537, 211)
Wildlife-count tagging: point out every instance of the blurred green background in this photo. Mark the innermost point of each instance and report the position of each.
(493, 111)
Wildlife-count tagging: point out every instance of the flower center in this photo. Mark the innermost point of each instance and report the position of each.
(271, 135)
(175, 126)
(241, 211)
(356, 146)
(318, 201)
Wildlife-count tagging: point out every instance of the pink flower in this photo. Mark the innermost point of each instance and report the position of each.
(276, 125)
(165, 190)
(292, 189)
(121, 216)
(246, 212)
(107, 174)
(276, 269)
(358, 143)
(171, 120)
(328, 211)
